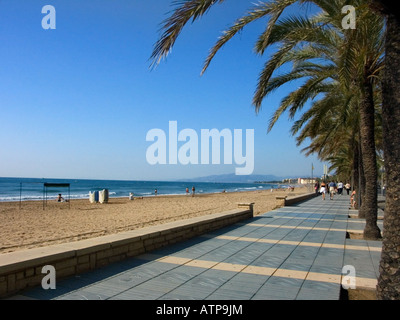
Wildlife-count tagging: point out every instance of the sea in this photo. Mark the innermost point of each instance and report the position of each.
(27, 189)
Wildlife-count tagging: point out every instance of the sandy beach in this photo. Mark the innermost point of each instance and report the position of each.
(30, 226)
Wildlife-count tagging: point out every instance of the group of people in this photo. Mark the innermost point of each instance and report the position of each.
(187, 191)
(332, 188)
(156, 192)
(193, 190)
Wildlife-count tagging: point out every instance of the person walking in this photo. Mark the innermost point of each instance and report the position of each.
(332, 189)
(316, 187)
(340, 187)
(193, 189)
(347, 187)
(353, 200)
(322, 190)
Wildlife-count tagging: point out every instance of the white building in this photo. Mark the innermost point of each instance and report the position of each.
(306, 181)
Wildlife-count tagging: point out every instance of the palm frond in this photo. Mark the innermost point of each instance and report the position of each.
(187, 10)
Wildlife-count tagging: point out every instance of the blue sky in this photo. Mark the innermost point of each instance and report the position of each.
(78, 101)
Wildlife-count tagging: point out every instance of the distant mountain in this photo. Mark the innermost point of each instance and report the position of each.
(226, 178)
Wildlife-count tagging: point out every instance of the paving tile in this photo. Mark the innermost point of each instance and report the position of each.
(296, 265)
(248, 286)
(189, 290)
(329, 293)
(279, 288)
(226, 294)
(269, 294)
(83, 295)
(135, 294)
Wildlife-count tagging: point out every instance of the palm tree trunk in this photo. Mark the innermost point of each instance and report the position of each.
(361, 185)
(389, 279)
(369, 206)
(355, 183)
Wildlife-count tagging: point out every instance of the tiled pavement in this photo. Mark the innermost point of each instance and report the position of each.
(291, 253)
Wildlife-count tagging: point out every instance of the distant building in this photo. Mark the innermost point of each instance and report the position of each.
(300, 181)
(289, 181)
(306, 181)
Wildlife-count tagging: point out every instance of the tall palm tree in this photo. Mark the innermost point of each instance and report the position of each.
(389, 279)
(338, 110)
(363, 49)
(332, 122)
(370, 49)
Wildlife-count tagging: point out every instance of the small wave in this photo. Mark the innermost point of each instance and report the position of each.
(41, 197)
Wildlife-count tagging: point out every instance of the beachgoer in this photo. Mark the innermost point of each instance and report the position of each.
(316, 187)
(60, 198)
(155, 192)
(347, 187)
(332, 187)
(322, 190)
(187, 191)
(340, 187)
(353, 199)
(193, 189)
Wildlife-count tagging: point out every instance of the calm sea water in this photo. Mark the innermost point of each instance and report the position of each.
(14, 189)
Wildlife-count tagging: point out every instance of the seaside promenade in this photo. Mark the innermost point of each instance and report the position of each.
(292, 253)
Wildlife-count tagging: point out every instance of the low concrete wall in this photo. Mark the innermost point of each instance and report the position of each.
(282, 201)
(22, 269)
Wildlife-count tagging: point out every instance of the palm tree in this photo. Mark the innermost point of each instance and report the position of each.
(389, 279)
(332, 126)
(332, 122)
(321, 128)
(363, 49)
(368, 46)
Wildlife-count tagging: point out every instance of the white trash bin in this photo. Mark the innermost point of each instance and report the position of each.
(91, 197)
(103, 196)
